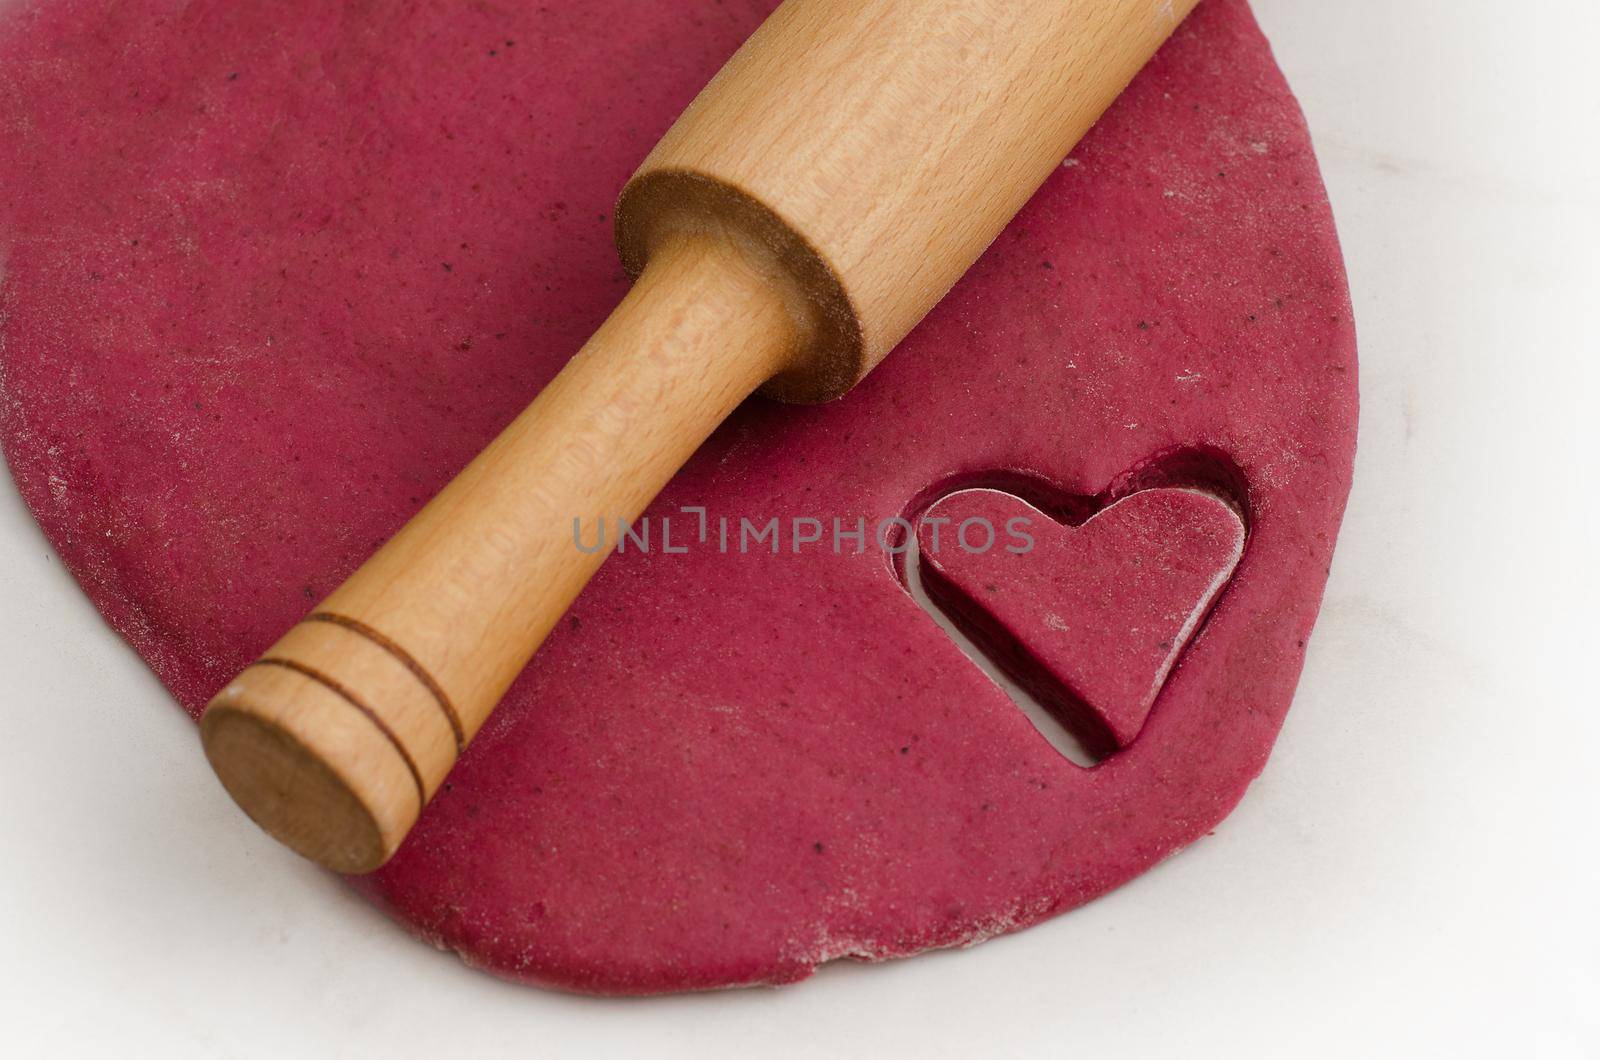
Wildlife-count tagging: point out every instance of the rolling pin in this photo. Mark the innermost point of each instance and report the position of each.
(822, 193)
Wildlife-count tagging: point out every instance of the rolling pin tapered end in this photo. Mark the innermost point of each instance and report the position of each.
(308, 770)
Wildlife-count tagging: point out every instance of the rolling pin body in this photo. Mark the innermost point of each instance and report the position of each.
(822, 193)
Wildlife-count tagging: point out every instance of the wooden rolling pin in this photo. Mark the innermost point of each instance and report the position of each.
(821, 194)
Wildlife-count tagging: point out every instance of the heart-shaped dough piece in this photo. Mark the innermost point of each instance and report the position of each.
(1089, 619)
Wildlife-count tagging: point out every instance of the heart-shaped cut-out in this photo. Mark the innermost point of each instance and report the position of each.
(1089, 619)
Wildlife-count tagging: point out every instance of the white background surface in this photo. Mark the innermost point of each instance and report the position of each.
(1416, 868)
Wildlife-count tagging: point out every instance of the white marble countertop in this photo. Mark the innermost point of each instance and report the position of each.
(1417, 867)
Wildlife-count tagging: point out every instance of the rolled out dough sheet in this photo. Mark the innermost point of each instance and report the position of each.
(273, 272)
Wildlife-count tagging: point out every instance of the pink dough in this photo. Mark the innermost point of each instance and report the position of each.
(273, 272)
(1090, 618)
